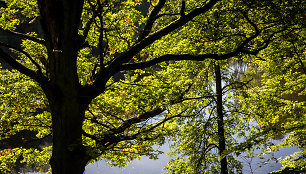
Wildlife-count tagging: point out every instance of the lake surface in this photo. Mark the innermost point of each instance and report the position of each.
(149, 166)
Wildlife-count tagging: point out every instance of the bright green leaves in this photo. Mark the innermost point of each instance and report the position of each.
(195, 138)
(22, 104)
(37, 158)
(36, 52)
(8, 158)
(170, 86)
(294, 163)
(124, 152)
(18, 11)
(116, 29)
(276, 97)
(21, 98)
(182, 89)
(86, 66)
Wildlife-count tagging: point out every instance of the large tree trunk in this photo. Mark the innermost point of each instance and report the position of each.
(60, 21)
(68, 155)
(221, 132)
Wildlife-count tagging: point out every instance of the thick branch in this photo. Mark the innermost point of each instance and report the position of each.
(25, 53)
(126, 56)
(104, 74)
(168, 57)
(113, 138)
(22, 69)
(24, 36)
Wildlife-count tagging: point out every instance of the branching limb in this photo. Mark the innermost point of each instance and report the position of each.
(299, 57)
(90, 136)
(94, 120)
(236, 85)
(204, 152)
(131, 137)
(168, 57)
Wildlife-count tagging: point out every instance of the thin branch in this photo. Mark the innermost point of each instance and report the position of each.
(90, 136)
(146, 85)
(142, 117)
(167, 14)
(204, 152)
(168, 57)
(100, 43)
(250, 22)
(151, 19)
(197, 98)
(119, 35)
(127, 123)
(237, 84)
(131, 137)
(91, 20)
(183, 7)
(94, 120)
(299, 58)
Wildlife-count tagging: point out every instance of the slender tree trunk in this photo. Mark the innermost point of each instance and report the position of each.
(221, 132)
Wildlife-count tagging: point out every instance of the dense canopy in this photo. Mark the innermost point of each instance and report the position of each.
(109, 79)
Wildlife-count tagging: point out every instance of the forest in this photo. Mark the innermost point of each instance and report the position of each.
(90, 80)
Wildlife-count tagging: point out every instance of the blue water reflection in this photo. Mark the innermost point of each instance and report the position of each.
(149, 166)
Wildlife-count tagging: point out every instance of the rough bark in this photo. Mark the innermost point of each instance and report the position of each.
(220, 115)
(60, 21)
(68, 155)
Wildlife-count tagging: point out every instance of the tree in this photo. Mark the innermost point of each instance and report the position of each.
(193, 146)
(205, 143)
(66, 82)
(220, 120)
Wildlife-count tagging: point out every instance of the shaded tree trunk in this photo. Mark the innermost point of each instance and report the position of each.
(68, 155)
(60, 21)
(221, 132)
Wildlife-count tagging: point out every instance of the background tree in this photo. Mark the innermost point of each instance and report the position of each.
(277, 100)
(202, 142)
(66, 82)
(191, 140)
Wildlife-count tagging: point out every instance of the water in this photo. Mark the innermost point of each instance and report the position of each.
(149, 166)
